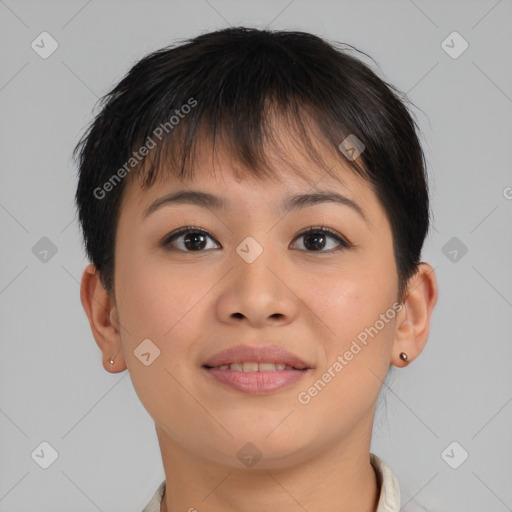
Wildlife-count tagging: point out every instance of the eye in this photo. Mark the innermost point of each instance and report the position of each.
(194, 239)
(315, 239)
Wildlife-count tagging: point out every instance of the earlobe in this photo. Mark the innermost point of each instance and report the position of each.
(413, 322)
(101, 311)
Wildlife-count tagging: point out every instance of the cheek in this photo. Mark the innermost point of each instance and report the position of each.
(156, 300)
(356, 293)
(357, 308)
(356, 357)
(362, 325)
(152, 300)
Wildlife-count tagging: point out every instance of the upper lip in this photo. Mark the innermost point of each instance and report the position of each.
(266, 354)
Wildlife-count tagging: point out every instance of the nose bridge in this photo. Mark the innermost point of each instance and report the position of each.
(255, 290)
(254, 261)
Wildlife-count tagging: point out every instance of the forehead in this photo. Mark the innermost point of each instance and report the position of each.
(288, 169)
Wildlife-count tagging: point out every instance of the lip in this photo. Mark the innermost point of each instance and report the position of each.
(256, 382)
(266, 354)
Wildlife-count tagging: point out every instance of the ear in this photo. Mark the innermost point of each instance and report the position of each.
(101, 311)
(413, 321)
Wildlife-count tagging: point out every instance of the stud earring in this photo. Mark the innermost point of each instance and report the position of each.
(111, 361)
(403, 356)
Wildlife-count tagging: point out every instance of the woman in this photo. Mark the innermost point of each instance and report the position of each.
(254, 206)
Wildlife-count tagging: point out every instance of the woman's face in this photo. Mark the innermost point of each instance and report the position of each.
(253, 279)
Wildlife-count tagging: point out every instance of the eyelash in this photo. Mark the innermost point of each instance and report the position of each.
(344, 244)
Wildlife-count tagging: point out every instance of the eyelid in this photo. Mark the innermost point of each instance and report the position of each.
(184, 229)
(343, 241)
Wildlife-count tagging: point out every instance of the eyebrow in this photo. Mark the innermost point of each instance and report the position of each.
(293, 202)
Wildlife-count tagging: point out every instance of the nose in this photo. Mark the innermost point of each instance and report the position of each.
(258, 292)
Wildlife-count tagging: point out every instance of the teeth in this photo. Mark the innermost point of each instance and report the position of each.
(252, 366)
(266, 367)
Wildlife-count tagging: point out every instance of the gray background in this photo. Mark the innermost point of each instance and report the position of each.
(53, 386)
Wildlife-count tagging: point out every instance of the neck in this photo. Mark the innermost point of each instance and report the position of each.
(340, 479)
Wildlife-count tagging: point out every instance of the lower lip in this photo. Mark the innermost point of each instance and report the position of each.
(256, 383)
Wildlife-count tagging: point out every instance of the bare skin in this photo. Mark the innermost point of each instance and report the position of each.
(192, 304)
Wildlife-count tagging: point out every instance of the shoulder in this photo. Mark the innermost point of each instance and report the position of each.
(392, 497)
(389, 499)
(155, 502)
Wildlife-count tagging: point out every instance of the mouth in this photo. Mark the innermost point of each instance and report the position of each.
(254, 358)
(256, 370)
(254, 366)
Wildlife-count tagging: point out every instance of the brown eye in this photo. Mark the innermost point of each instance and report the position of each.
(316, 240)
(192, 239)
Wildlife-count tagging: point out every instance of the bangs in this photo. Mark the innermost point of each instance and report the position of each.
(238, 94)
(253, 140)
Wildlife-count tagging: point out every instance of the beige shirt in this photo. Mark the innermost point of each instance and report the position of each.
(389, 500)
